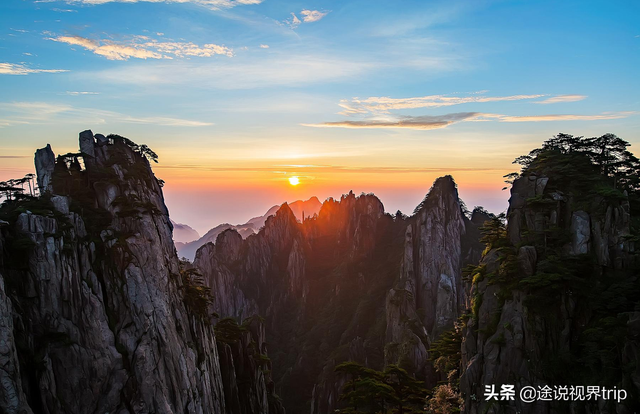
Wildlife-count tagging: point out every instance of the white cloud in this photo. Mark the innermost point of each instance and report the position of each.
(141, 47)
(19, 113)
(558, 117)
(293, 22)
(20, 69)
(211, 4)
(386, 104)
(562, 98)
(312, 15)
(264, 46)
(308, 16)
(74, 93)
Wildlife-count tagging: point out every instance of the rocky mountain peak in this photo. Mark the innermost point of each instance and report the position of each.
(108, 319)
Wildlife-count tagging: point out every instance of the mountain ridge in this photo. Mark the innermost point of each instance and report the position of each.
(300, 208)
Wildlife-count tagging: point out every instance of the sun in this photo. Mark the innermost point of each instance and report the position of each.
(294, 180)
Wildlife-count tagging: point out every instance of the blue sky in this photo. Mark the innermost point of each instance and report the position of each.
(379, 96)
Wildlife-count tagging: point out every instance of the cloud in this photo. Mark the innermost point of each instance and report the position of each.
(141, 47)
(424, 122)
(386, 104)
(264, 46)
(546, 118)
(562, 98)
(308, 16)
(302, 169)
(427, 122)
(18, 113)
(211, 4)
(263, 70)
(312, 15)
(74, 93)
(293, 22)
(65, 10)
(20, 69)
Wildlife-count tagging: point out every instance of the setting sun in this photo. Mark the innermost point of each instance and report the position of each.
(294, 180)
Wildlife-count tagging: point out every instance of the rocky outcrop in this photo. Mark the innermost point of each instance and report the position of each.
(94, 313)
(44, 161)
(543, 296)
(345, 285)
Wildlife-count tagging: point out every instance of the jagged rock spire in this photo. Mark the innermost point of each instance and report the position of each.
(44, 161)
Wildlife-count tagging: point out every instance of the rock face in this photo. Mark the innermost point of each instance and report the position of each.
(544, 296)
(345, 285)
(44, 161)
(93, 308)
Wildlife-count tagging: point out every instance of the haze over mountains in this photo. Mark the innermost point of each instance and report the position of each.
(183, 233)
(187, 249)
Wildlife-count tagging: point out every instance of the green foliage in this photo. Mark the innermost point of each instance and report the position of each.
(375, 391)
(581, 164)
(18, 188)
(494, 233)
(143, 149)
(228, 331)
(196, 295)
(445, 352)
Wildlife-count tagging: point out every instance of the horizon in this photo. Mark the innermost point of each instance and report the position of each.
(237, 97)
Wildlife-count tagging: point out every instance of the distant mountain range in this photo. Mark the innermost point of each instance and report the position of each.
(189, 247)
(183, 233)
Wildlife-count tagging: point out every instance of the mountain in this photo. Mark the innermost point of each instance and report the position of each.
(182, 233)
(97, 312)
(361, 310)
(555, 300)
(351, 283)
(299, 208)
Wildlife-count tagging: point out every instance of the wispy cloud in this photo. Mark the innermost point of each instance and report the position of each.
(142, 47)
(386, 104)
(20, 69)
(562, 98)
(78, 93)
(566, 117)
(308, 16)
(211, 4)
(408, 122)
(293, 22)
(18, 113)
(427, 122)
(278, 169)
(264, 46)
(267, 70)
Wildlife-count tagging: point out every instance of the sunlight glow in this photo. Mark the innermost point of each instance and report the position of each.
(294, 180)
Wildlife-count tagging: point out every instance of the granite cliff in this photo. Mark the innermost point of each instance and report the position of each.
(555, 300)
(97, 313)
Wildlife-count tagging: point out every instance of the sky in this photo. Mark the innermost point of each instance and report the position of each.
(238, 96)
